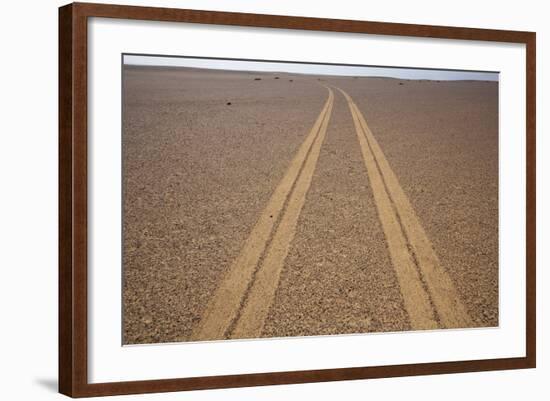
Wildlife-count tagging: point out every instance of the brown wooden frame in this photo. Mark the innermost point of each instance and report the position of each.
(73, 198)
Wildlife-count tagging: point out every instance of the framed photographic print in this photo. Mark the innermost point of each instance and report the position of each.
(251, 200)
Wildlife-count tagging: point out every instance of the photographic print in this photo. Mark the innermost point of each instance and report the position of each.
(267, 199)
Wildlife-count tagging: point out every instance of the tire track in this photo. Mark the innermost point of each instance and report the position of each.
(224, 309)
(430, 297)
(256, 308)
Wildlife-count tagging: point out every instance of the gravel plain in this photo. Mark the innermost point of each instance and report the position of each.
(203, 151)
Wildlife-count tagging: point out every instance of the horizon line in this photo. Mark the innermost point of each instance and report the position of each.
(307, 68)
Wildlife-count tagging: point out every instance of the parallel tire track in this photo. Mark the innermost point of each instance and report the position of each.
(421, 277)
(252, 318)
(247, 285)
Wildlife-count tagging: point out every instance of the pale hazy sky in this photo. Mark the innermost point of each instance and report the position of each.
(316, 69)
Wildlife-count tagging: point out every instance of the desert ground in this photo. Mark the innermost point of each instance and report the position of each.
(275, 204)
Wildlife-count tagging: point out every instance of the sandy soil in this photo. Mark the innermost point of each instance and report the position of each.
(203, 152)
